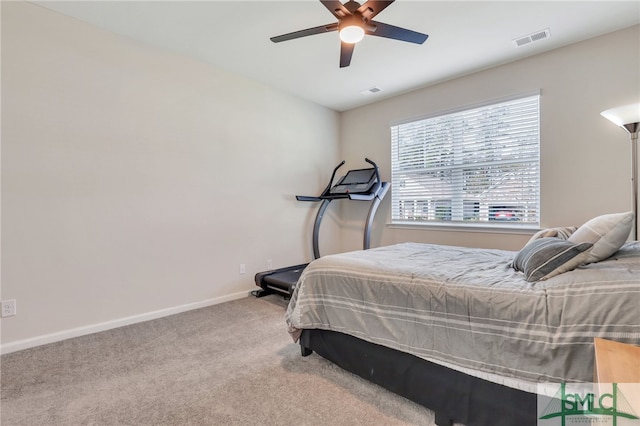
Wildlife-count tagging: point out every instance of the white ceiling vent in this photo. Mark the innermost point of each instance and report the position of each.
(530, 38)
(371, 91)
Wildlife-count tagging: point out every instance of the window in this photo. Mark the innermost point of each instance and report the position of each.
(473, 166)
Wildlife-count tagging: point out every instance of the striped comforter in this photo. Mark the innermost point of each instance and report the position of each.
(467, 309)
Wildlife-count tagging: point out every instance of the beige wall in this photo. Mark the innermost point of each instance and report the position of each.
(585, 160)
(135, 181)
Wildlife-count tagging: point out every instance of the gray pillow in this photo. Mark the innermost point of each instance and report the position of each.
(547, 257)
(562, 232)
(607, 233)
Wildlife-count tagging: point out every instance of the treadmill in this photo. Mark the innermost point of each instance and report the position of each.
(359, 185)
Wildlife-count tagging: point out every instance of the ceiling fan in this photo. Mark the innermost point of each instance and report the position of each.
(354, 21)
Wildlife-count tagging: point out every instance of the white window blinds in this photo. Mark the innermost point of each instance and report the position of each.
(479, 165)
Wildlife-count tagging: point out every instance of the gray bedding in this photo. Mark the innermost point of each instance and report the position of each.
(467, 309)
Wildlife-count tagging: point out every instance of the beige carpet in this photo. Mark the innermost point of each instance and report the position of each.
(228, 364)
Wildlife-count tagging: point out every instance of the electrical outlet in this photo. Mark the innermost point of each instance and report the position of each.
(243, 268)
(269, 264)
(8, 308)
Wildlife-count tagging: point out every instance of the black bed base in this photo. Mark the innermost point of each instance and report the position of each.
(452, 395)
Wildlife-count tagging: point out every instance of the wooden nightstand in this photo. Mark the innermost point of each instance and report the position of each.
(617, 362)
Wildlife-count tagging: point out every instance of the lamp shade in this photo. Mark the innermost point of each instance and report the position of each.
(626, 114)
(628, 117)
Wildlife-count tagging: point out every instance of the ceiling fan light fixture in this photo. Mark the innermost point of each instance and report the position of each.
(355, 20)
(351, 34)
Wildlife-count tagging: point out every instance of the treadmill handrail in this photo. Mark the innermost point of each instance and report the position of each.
(326, 191)
(361, 197)
(333, 175)
(352, 196)
(378, 184)
(307, 198)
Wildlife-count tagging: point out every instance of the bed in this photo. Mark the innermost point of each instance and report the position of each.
(462, 331)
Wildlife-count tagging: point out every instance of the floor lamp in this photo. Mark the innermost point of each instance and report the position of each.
(628, 117)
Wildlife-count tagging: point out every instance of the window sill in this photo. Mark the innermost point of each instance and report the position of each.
(480, 228)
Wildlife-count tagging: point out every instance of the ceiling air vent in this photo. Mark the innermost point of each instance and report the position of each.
(530, 38)
(371, 91)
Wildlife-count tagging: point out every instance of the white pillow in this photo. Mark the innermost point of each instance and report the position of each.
(607, 233)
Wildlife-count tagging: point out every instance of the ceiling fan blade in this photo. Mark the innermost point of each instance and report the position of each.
(304, 33)
(373, 7)
(336, 8)
(346, 51)
(396, 33)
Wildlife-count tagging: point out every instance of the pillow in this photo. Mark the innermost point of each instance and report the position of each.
(607, 233)
(563, 233)
(547, 257)
(628, 250)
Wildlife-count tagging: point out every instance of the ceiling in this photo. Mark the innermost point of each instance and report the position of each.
(464, 37)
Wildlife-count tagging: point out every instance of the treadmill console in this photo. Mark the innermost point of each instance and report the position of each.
(355, 182)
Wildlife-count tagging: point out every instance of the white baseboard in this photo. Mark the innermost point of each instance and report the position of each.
(108, 325)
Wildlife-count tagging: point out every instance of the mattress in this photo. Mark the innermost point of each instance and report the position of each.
(468, 310)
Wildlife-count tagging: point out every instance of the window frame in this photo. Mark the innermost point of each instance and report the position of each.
(471, 207)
